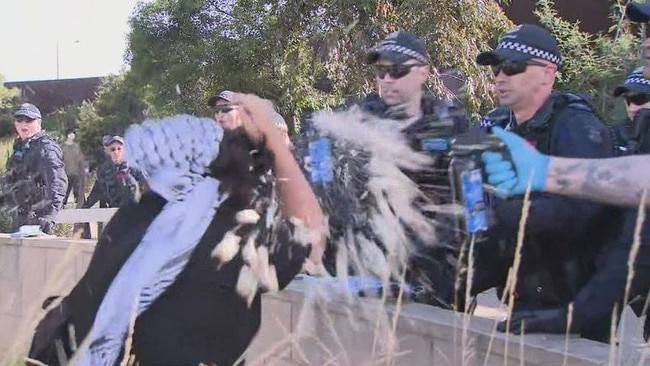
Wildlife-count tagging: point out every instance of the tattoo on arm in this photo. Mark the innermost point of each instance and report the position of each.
(618, 181)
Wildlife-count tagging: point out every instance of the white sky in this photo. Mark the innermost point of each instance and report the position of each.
(91, 35)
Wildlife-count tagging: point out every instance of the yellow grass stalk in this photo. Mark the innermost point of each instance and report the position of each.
(634, 252)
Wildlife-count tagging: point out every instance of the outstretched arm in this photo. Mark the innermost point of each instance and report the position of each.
(618, 181)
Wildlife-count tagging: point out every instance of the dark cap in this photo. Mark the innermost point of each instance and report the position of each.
(107, 140)
(638, 12)
(28, 110)
(523, 43)
(226, 95)
(399, 47)
(635, 82)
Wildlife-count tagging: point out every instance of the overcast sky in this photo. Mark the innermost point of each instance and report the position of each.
(91, 35)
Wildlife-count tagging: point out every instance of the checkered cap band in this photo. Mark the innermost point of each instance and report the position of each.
(636, 79)
(530, 50)
(392, 47)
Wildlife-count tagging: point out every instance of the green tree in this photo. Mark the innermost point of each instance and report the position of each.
(9, 99)
(594, 64)
(283, 50)
(118, 105)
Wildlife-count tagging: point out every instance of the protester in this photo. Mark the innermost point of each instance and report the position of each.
(198, 296)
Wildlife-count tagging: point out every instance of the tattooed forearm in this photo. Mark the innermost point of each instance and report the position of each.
(618, 181)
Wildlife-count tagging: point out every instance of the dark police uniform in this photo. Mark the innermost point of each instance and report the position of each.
(35, 181)
(595, 302)
(116, 185)
(562, 234)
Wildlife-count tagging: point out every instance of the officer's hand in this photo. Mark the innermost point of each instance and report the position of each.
(527, 165)
(552, 321)
(45, 224)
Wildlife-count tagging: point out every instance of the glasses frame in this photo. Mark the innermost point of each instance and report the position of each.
(25, 119)
(637, 99)
(510, 68)
(396, 71)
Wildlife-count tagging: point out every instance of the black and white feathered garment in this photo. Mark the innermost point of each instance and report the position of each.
(189, 261)
(387, 198)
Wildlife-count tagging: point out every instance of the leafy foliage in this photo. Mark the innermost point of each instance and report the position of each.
(9, 99)
(307, 55)
(594, 64)
(118, 105)
(303, 55)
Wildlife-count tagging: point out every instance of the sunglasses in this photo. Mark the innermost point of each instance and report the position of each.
(395, 71)
(513, 68)
(637, 99)
(25, 119)
(223, 109)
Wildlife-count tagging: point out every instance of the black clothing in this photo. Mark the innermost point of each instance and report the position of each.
(432, 269)
(115, 186)
(562, 235)
(35, 181)
(621, 134)
(74, 186)
(595, 302)
(200, 317)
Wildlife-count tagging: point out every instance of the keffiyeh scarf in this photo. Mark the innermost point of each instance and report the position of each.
(173, 155)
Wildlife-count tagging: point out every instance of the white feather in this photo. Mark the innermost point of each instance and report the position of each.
(226, 250)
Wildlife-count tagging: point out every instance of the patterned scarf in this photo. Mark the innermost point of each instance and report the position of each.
(173, 155)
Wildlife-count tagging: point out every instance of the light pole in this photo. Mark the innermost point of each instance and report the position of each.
(57, 57)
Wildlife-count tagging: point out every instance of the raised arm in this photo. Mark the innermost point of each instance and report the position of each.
(295, 194)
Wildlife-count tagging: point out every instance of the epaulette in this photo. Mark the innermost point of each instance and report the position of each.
(500, 116)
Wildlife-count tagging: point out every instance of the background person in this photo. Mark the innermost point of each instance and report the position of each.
(34, 183)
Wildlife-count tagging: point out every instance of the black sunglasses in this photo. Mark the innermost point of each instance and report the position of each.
(637, 99)
(25, 119)
(513, 68)
(395, 71)
(223, 109)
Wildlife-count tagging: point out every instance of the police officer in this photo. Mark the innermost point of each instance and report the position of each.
(34, 183)
(604, 293)
(631, 135)
(401, 67)
(117, 183)
(561, 234)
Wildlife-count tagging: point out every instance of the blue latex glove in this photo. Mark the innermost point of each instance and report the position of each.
(529, 165)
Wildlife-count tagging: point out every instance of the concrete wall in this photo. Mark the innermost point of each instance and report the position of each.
(307, 324)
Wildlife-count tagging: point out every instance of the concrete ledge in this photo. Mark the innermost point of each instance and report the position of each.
(350, 331)
(306, 324)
